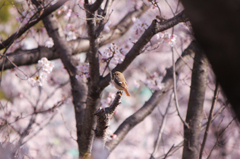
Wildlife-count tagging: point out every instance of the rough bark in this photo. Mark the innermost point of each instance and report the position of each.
(79, 90)
(94, 92)
(195, 106)
(104, 116)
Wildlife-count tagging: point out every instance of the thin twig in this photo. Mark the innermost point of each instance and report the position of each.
(162, 127)
(172, 150)
(181, 58)
(216, 143)
(65, 124)
(209, 119)
(154, 3)
(175, 90)
(214, 116)
(170, 7)
(41, 127)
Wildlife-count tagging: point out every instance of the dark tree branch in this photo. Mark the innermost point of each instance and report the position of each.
(23, 29)
(195, 106)
(106, 14)
(93, 97)
(79, 90)
(104, 115)
(28, 57)
(153, 29)
(157, 96)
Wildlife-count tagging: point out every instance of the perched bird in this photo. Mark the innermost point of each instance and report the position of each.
(120, 82)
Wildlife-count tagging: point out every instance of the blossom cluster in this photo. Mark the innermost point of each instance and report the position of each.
(114, 54)
(69, 30)
(153, 82)
(139, 27)
(25, 17)
(83, 69)
(46, 68)
(65, 10)
(49, 43)
(171, 39)
(167, 37)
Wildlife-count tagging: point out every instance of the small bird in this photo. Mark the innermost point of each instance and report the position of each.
(120, 82)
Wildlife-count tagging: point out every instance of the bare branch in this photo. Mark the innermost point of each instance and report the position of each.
(195, 106)
(164, 119)
(157, 96)
(220, 135)
(153, 29)
(175, 90)
(79, 90)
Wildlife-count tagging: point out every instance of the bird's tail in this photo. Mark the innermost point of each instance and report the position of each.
(127, 93)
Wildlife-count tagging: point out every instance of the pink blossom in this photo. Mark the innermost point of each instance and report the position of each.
(104, 103)
(153, 82)
(68, 14)
(114, 136)
(84, 67)
(83, 71)
(136, 83)
(172, 40)
(115, 53)
(46, 65)
(71, 36)
(70, 27)
(32, 82)
(139, 27)
(49, 43)
(63, 9)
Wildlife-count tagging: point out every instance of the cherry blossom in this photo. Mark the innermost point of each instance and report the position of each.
(113, 53)
(106, 102)
(139, 27)
(172, 40)
(46, 65)
(71, 36)
(49, 43)
(83, 69)
(153, 82)
(46, 68)
(37, 80)
(32, 81)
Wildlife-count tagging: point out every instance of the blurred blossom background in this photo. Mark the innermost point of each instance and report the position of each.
(36, 104)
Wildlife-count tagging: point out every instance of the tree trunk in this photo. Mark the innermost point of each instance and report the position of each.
(195, 107)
